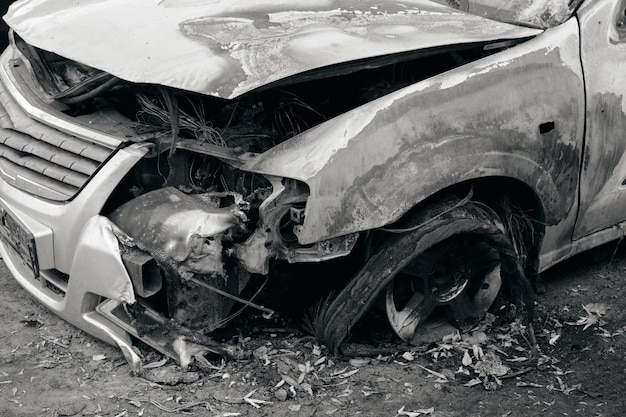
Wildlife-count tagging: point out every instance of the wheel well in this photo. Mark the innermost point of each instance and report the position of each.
(517, 205)
(522, 214)
(506, 213)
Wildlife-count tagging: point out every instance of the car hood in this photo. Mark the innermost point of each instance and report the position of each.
(226, 48)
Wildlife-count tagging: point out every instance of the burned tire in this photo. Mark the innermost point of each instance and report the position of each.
(448, 262)
(450, 285)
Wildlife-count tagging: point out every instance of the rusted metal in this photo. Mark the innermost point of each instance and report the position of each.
(143, 271)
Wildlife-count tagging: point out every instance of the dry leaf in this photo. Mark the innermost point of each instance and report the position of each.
(290, 380)
(594, 312)
(307, 388)
(319, 361)
(598, 309)
(156, 364)
(467, 359)
(473, 382)
(416, 413)
(554, 338)
(359, 361)
(348, 374)
(491, 365)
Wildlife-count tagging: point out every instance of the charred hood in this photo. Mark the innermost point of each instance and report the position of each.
(225, 49)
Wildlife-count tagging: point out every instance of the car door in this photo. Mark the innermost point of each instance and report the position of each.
(603, 176)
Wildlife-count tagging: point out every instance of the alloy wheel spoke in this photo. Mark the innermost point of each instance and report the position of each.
(463, 311)
(489, 289)
(408, 319)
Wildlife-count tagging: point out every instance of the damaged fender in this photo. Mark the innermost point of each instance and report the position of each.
(517, 114)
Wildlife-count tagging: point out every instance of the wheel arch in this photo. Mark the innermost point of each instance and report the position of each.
(519, 207)
(437, 221)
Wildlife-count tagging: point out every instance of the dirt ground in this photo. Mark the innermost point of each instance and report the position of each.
(49, 368)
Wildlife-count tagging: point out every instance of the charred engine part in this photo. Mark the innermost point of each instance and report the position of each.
(257, 121)
(178, 229)
(188, 238)
(276, 235)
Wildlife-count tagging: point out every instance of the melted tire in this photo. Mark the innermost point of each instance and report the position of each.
(438, 223)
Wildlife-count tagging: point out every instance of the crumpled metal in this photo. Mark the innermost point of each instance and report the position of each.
(177, 229)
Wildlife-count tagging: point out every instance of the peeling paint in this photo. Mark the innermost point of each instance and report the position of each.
(437, 134)
(456, 79)
(229, 48)
(539, 13)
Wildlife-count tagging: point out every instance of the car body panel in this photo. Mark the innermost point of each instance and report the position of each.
(603, 177)
(226, 48)
(476, 121)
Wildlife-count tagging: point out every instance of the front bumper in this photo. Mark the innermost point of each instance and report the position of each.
(74, 260)
(62, 250)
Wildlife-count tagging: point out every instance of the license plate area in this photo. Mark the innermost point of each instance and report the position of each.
(15, 235)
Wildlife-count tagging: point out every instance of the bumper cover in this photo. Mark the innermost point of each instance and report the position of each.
(64, 253)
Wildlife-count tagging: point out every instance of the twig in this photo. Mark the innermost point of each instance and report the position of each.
(254, 402)
(177, 409)
(54, 341)
(167, 409)
(435, 373)
(517, 373)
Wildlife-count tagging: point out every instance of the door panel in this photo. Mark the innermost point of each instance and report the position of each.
(603, 178)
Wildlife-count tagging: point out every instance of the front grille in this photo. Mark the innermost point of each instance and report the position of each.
(41, 160)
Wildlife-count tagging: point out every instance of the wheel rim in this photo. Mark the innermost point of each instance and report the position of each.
(450, 286)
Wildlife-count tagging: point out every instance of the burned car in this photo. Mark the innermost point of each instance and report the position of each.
(161, 160)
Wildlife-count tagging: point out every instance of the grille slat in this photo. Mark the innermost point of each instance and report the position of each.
(41, 166)
(22, 123)
(23, 143)
(40, 159)
(33, 182)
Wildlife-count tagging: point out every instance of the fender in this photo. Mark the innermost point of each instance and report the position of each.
(518, 113)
